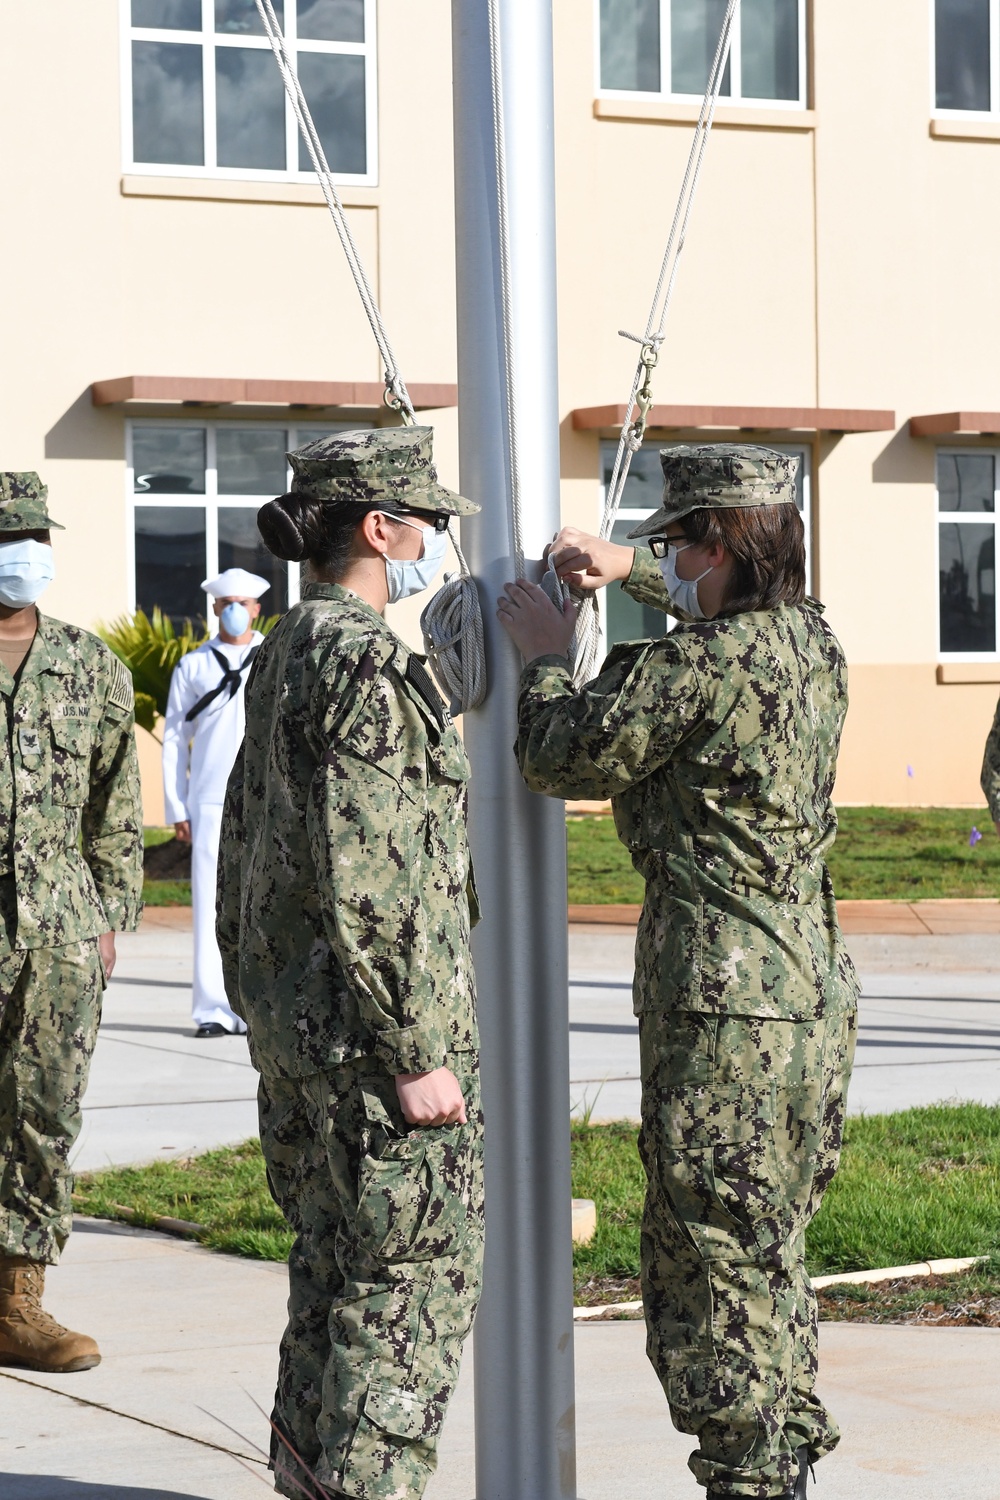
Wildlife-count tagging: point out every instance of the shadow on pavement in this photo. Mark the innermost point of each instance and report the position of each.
(52, 1487)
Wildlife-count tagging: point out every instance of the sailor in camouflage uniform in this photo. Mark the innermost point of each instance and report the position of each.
(70, 878)
(990, 778)
(717, 745)
(345, 889)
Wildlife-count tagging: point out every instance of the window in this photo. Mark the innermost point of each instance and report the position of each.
(623, 618)
(967, 591)
(966, 36)
(203, 92)
(665, 48)
(194, 493)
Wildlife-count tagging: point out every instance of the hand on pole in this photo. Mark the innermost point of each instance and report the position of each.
(433, 1098)
(586, 562)
(533, 622)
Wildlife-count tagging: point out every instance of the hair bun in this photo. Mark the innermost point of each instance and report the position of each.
(290, 525)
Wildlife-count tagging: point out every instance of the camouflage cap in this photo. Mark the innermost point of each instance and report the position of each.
(703, 476)
(393, 465)
(24, 503)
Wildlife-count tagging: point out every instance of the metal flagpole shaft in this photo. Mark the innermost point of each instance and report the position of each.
(525, 1410)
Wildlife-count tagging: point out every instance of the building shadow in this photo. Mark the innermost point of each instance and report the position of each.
(86, 431)
(904, 460)
(54, 1487)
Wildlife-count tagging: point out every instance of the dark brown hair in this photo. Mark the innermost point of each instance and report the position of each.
(768, 546)
(301, 527)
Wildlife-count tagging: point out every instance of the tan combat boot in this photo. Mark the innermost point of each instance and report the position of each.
(29, 1337)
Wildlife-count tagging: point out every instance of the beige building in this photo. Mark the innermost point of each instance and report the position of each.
(176, 309)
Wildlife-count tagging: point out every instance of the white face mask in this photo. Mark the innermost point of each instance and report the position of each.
(682, 591)
(235, 618)
(406, 576)
(26, 570)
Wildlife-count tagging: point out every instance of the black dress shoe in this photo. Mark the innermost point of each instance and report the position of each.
(212, 1028)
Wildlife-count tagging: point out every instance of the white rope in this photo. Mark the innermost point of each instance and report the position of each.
(586, 661)
(452, 622)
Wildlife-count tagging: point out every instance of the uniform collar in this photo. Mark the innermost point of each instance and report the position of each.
(48, 652)
(337, 593)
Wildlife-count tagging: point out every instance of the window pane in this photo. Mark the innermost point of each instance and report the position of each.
(644, 486)
(770, 49)
(962, 39)
(240, 546)
(167, 118)
(968, 588)
(170, 560)
(694, 35)
(169, 460)
(627, 620)
(252, 463)
(334, 86)
(250, 108)
(171, 15)
(966, 481)
(332, 20)
(630, 45)
(242, 16)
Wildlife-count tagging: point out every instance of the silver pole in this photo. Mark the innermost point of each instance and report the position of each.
(525, 1405)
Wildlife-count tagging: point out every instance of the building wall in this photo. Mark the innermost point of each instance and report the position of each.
(841, 258)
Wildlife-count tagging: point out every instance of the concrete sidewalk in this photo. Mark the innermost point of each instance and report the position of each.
(190, 1337)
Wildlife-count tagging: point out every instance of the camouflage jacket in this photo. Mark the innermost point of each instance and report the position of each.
(70, 804)
(717, 744)
(990, 778)
(344, 876)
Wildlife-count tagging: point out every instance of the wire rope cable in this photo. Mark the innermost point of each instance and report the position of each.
(640, 400)
(452, 622)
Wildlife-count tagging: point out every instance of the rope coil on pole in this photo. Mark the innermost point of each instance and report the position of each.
(452, 622)
(588, 632)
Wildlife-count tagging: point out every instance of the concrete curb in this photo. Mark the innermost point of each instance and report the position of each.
(611, 1311)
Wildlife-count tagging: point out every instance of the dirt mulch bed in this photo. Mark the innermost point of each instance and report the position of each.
(602, 1289)
(169, 861)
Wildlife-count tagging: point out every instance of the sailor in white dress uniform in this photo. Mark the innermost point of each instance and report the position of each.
(201, 735)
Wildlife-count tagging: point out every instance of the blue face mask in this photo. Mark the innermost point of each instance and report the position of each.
(26, 570)
(235, 619)
(412, 575)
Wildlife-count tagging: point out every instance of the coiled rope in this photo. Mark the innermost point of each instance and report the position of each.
(452, 621)
(587, 640)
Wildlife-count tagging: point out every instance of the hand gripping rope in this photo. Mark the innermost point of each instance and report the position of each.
(587, 638)
(452, 622)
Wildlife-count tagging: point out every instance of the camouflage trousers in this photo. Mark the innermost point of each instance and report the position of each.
(742, 1120)
(50, 1009)
(384, 1275)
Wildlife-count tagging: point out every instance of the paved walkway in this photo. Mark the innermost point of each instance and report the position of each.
(189, 1342)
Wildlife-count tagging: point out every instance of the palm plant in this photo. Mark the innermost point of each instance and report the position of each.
(150, 647)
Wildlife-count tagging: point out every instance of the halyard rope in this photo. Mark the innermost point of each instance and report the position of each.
(586, 658)
(452, 622)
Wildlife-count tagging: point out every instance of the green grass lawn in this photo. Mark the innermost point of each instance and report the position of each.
(920, 1185)
(881, 853)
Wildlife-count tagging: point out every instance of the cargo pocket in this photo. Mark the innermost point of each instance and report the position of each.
(716, 1164)
(393, 1447)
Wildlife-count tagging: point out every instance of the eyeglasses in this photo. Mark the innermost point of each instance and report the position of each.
(658, 544)
(436, 519)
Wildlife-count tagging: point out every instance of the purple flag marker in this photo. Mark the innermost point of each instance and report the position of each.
(974, 837)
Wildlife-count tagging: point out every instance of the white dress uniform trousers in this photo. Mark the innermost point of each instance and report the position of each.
(198, 756)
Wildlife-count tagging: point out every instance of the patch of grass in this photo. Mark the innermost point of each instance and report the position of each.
(166, 892)
(881, 853)
(969, 1299)
(151, 837)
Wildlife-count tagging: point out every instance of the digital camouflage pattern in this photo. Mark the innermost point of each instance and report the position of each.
(717, 745)
(390, 464)
(50, 1009)
(384, 1275)
(70, 869)
(990, 777)
(699, 476)
(344, 917)
(344, 866)
(24, 503)
(70, 801)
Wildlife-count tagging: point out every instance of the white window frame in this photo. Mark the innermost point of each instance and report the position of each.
(208, 40)
(965, 518)
(803, 451)
(734, 100)
(211, 501)
(993, 113)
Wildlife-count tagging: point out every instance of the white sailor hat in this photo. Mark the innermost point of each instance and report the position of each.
(236, 583)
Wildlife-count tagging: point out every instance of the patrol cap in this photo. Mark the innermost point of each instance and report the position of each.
(389, 464)
(703, 476)
(24, 503)
(236, 583)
